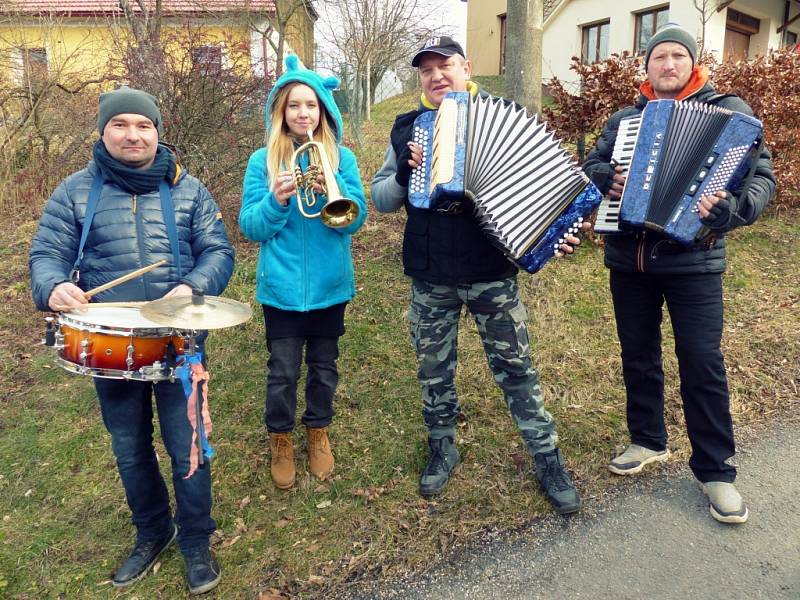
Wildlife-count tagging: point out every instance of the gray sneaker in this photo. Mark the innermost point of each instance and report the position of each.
(635, 458)
(726, 505)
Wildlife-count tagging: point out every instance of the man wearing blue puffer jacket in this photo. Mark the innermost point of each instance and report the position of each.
(132, 227)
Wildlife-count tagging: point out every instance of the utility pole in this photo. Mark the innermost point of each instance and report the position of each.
(524, 53)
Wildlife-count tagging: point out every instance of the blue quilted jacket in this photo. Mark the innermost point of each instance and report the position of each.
(127, 233)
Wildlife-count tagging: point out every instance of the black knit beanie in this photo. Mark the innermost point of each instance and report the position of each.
(672, 32)
(127, 100)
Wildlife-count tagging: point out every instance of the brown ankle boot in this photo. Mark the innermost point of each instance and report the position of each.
(282, 467)
(320, 457)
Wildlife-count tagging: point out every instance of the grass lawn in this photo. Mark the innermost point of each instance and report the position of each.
(65, 524)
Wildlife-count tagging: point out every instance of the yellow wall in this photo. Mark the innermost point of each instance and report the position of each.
(483, 35)
(80, 49)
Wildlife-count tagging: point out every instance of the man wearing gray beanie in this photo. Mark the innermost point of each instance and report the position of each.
(137, 206)
(649, 269)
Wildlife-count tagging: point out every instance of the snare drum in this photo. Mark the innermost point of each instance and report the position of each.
(116, 343)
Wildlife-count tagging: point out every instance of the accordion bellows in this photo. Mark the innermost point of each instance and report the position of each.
(527, 192)
(672, 155)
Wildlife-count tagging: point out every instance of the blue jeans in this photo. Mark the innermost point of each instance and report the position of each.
(285, 356)
(127, 410)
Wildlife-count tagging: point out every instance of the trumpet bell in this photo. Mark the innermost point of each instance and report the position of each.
(339, 213)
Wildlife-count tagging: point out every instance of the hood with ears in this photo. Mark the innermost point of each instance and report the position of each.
(322, 86)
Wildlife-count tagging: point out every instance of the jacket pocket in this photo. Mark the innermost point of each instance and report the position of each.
(415, 243)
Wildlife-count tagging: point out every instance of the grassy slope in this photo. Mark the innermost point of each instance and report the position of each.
(65, 524)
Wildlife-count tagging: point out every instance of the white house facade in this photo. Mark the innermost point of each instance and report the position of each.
(594, 29)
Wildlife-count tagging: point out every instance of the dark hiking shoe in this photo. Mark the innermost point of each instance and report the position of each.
(142, 557)
(443, 458)
(556, 482)
(202, 571)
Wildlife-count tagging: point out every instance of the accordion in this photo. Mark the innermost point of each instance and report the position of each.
(525, 190)
(673, 154)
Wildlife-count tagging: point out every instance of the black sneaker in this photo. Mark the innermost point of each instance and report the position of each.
(556, 482)
(202, 571)
(142, 557)
(443, 458)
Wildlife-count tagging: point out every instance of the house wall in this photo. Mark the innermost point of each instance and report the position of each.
(562, 30)
(483, 35)
(78, 48)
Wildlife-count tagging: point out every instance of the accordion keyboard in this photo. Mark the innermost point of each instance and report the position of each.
(607, 221)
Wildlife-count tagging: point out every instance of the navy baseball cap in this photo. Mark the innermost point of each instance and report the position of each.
(446, 46)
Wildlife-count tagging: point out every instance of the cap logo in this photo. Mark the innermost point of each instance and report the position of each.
(434, 41)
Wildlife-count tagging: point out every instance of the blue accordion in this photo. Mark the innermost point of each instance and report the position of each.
(525, 190)
(675, 153)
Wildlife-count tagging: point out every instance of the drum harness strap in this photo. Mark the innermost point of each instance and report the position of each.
(167, 208)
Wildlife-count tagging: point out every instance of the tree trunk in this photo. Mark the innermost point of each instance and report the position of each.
(524, 53)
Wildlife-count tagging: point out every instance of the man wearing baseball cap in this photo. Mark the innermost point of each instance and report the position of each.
(136, 206)
(451, 263)
(648, 269)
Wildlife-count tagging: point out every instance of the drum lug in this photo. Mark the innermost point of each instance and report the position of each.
(85, 352)
(49, 332)
(129, 358)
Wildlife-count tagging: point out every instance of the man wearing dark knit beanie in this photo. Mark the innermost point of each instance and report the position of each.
(648, 269)
(136, 207)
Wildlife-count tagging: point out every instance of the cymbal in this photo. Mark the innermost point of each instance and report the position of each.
(197, 312)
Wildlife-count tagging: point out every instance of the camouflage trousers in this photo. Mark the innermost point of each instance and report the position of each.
(501, 319)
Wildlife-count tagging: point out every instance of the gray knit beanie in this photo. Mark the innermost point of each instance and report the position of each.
(672, 32)
(127, 100)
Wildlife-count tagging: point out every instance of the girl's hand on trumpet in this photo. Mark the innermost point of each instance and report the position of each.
(319, 185)
(283, 187)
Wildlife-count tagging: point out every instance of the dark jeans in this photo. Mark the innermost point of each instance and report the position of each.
(695, 308)
(127, 410)
(285, 356)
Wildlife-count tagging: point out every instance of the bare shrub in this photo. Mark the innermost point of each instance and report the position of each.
(768, 84)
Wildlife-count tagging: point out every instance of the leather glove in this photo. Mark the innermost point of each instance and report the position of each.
(403, 168)
(719, 216)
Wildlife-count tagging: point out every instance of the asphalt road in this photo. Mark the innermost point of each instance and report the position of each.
(652, 539)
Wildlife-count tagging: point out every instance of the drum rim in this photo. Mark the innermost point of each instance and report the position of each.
(139, 375)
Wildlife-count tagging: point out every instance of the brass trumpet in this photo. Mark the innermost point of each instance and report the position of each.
(337, 211)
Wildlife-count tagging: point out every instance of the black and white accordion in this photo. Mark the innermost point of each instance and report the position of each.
(526, 191)
(672, 155)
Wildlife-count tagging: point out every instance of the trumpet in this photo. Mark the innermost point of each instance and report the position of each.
(337, 211)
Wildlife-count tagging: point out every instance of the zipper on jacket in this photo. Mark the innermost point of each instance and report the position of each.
(133, 204)
(640, 252)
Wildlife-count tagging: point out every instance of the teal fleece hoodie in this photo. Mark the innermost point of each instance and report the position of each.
(303, 265)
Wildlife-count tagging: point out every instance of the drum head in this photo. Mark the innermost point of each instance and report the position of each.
(123, 318)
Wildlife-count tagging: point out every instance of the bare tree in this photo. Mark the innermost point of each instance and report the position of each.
(274, 26)
(147, 51)
(706, 8)
(524, 53)
(372, 37)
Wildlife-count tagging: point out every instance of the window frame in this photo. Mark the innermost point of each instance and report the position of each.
(637, 29)
(585, 29)
(209, 58)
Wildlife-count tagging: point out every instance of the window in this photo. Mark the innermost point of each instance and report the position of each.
(502, 44)
(741, 22)
(208, 58)
(647, 23)
(32, 67)
(790, 39)
(594, 44)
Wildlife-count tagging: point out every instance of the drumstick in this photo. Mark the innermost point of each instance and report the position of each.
(123, 279)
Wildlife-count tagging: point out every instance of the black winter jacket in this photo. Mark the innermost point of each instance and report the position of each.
(649, 250)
